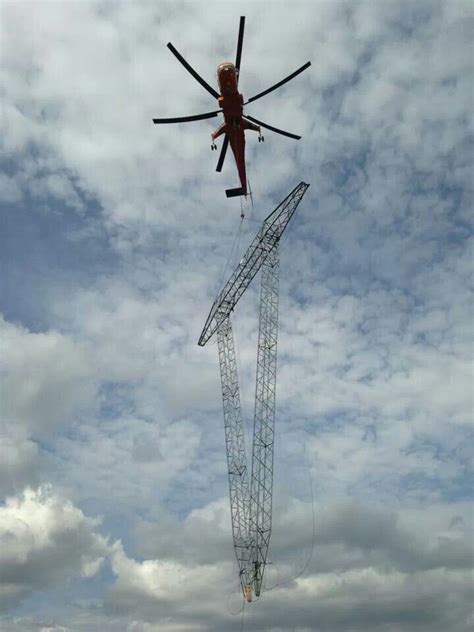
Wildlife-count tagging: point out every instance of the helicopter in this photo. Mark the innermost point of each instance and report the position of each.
(231, 104)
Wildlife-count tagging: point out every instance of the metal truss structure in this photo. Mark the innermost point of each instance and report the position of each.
(251, 496)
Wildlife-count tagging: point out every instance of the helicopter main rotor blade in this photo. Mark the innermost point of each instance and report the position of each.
(240, 42)
(273, 129)
(220, 162)
(186, 119)
(280, 83)
(191, 70)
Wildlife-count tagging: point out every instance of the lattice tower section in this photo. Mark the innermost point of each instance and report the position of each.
(239, 490)
(251, 497)
(264, 418)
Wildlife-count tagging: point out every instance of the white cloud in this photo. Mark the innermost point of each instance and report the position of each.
(139, 460)
(399, 568)
(19, 460)
(375, 318)
(46, 378)
(45, 540)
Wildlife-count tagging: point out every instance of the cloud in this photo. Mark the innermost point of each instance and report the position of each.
(138, 459)
(205, 536)
(19, 461)
(44, 540)
(370, 568)
(107, 395)
(47, 378)
(154, 589)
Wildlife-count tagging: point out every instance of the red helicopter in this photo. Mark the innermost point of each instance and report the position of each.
(232, 106)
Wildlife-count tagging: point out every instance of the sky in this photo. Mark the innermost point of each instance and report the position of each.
(114, 236)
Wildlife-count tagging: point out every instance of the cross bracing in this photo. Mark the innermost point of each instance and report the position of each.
(251, 489)
(269, 234)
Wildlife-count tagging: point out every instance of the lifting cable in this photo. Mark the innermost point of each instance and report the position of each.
(235, 245)
(303, 570)
(243, 612)
(237, 349)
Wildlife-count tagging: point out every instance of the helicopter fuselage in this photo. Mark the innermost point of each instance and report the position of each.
(231, 102)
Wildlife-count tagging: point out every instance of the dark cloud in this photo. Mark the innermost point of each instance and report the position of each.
(44, 540)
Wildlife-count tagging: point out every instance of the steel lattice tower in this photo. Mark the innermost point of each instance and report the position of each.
(251, 503)
(260, 522)
(235, 445)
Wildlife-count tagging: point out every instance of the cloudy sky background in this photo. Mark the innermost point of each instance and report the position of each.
(113, 237)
